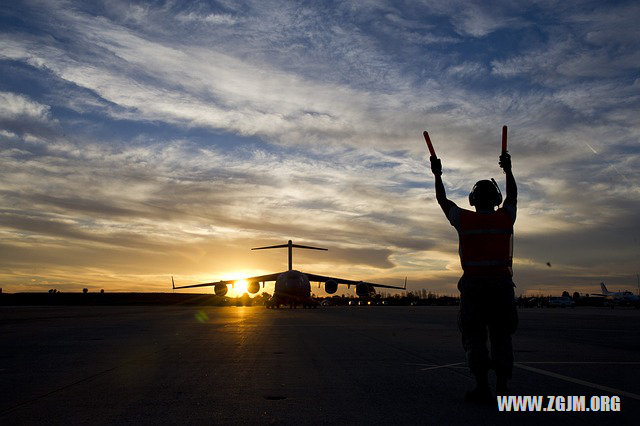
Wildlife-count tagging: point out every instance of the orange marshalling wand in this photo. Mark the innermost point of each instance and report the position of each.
(429, 145)
(504, 139)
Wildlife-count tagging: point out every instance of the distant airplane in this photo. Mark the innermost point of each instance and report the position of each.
(620, 297)
(294, 287)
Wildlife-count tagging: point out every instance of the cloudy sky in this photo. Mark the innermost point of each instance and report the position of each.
(140, 140)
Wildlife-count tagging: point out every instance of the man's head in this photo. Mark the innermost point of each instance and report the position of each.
(485, 195)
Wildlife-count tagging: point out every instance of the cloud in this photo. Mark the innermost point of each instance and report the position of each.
(478, 19)
(596, 45)
(566, 61)
(242, 98)
(467, 69)
(14, 106)
(473, 20)
(19, 114)
(212, 18)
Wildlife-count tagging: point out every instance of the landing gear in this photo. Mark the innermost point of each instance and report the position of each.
(272, 304)
(310, 304)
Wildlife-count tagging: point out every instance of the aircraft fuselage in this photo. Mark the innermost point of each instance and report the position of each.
(292, 288)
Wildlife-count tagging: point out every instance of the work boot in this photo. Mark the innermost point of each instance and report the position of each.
(482, 393)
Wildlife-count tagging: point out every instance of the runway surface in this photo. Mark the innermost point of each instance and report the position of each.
(333, 365)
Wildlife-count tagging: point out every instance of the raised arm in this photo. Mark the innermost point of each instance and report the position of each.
(441, 194)
(512, 189)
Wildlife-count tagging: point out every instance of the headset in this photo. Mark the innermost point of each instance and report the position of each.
(495, 197)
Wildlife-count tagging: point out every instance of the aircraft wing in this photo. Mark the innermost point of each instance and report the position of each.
(324, 279)
(259, 278)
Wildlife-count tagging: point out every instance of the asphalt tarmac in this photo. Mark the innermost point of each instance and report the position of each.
(332, 365)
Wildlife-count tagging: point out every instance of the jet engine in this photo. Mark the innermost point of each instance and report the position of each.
(331, 286)
(220, 289)
(253, 287)
(364, 290)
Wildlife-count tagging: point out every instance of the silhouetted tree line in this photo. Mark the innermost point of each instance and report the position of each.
(418, 298)
(412, 298)
(55, 297)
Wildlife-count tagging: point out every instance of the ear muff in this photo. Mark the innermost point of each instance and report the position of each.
(491, 191)
(498, 199)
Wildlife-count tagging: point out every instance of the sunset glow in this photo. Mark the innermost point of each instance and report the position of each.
(143, 141)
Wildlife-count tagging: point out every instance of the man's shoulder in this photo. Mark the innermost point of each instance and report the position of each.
(511, 209)
(454, 215)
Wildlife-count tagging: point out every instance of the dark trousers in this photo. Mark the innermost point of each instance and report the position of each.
(487, 309)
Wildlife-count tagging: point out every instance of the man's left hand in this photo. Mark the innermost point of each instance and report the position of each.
(505, 162)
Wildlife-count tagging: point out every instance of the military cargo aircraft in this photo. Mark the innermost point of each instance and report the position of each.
(623, 298)
(294, 287)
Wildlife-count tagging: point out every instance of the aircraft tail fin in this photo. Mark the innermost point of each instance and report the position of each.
(405, 283)
(173, 284)
(290, 244)
(270, 247)
(308, 247)
(603, 288)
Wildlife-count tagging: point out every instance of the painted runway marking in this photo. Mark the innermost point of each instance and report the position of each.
(432, 366)
(441, 366)
(583, 362)
(613, 391)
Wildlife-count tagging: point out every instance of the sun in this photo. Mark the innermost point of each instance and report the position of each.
(240, 287)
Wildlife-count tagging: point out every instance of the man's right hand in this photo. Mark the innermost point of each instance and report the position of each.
(436, 165)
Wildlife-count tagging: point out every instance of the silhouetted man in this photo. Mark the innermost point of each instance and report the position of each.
(487, 305)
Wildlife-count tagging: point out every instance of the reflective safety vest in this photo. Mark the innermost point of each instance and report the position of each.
(486, 243)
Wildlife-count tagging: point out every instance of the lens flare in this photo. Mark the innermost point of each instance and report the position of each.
(202, 316)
